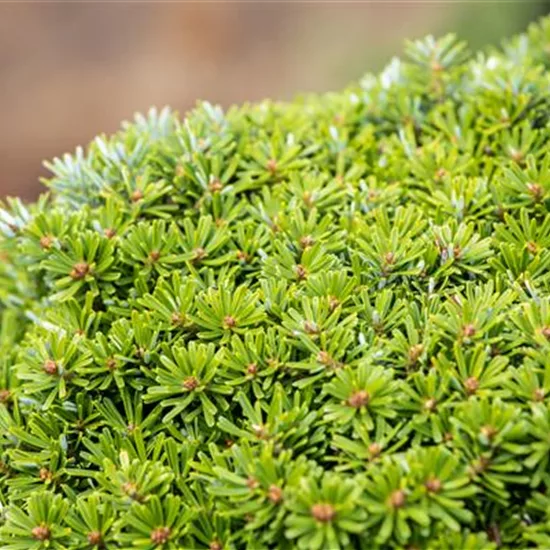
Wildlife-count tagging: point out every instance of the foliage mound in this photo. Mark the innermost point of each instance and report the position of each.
(317, 324)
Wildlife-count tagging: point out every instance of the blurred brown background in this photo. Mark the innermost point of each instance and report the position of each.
(71, 70)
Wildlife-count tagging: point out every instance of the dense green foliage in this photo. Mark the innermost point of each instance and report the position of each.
(317, 324)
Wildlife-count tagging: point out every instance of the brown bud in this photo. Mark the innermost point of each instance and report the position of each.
(215, 545)
(136, 196)
(45, 475)
(358, 399)
(271, 166)
(215, 186)
(471, 385)
(111, 364)
(397, 499)
(177, 319)
(538, 394)
(252, 483)
(275, 494)
(307, 241)
(301, 272)
(536, 191)
(229, 322)
(5, 396)
(323, 512)
(41, 532)
(515, 155)
(130, 489)
(260, 431)
(389, 258)
(308, 199)
(478, 466)
(50, 367)
(545, 331)
(160, 535)
(468, 330)
(333, 303)
(310, 327)
(46, 242)
(199, 254)
(430, 404)
(440, 173)
(242, 256)
(109, 233)
(79, 271)
(190, 383)
(375, 449)
(95, 538)
(372, 195)
(252, 369)
(154, 256)
(532, 247)
(415, 352)
(433, 485)
(488, 431)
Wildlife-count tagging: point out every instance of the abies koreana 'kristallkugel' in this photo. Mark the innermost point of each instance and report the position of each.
(322, 324)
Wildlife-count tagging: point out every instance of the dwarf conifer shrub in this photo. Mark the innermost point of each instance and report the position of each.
(321, 324)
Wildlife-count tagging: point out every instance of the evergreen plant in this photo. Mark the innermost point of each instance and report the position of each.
(322, 324)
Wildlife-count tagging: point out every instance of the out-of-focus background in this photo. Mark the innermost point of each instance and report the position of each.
(69, 71)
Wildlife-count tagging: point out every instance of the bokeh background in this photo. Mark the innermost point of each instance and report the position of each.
(69, 71)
